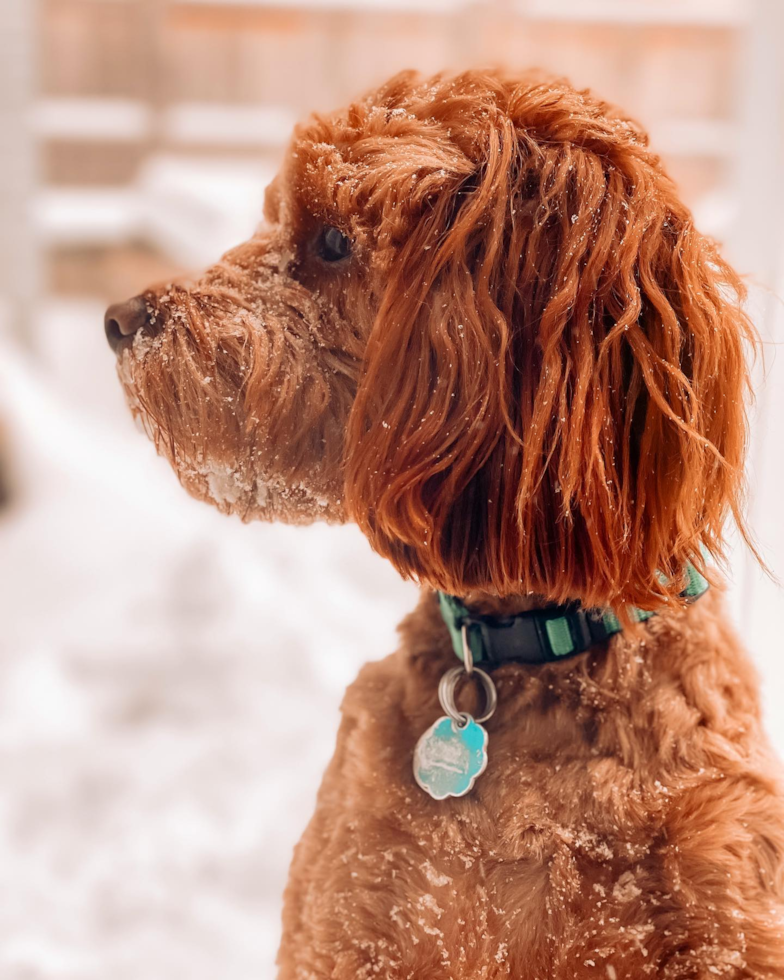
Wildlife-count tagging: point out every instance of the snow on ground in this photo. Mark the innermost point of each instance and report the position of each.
(169, 691)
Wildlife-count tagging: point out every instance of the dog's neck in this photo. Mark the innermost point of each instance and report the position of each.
(488, 605)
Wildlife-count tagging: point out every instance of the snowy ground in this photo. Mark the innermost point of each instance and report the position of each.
(169, 686)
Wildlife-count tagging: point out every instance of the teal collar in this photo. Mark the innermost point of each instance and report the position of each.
(540, 635)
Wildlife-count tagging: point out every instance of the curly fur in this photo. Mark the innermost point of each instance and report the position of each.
(568, 419)
(526, 385)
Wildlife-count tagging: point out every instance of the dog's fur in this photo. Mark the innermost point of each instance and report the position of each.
(526, 385)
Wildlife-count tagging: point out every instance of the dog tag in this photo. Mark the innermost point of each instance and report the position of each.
(450, 757)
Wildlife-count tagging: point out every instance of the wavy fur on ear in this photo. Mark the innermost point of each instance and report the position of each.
(553, 391)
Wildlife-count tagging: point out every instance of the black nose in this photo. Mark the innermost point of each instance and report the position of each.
(123, 320)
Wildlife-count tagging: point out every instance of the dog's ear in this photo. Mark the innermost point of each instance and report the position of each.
(553, 390)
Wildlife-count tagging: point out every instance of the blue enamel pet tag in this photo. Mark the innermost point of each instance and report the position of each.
(450, 756)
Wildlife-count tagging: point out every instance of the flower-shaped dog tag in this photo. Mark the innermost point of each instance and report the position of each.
(449, 757)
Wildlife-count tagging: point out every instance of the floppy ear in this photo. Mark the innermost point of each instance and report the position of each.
(552, 399)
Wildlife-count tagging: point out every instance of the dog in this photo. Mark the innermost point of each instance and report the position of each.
(480, 323)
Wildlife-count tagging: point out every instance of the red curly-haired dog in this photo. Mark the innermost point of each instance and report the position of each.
(481, 324)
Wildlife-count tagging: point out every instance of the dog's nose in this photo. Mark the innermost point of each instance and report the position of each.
(123, 320)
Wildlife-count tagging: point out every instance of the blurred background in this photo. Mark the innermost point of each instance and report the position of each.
(169, 678)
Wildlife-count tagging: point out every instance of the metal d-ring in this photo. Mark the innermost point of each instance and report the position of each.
(446, 694)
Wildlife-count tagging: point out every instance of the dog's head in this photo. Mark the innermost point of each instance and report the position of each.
(480, 323)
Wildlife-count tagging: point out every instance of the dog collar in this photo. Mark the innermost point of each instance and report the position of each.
(540, 636)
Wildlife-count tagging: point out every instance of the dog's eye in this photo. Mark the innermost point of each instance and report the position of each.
(333, 245)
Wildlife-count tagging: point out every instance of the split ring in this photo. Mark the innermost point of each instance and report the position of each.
(446, 694)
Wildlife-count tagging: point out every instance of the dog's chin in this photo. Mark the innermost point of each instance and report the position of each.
(257, 497)
(238, 486)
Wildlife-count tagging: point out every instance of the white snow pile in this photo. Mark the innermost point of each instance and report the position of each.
(169, 686)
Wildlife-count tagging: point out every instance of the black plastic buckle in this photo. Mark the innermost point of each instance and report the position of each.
(523, 638)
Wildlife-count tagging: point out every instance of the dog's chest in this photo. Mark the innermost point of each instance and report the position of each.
(497, 884)
(546, 842)
(589, 847)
